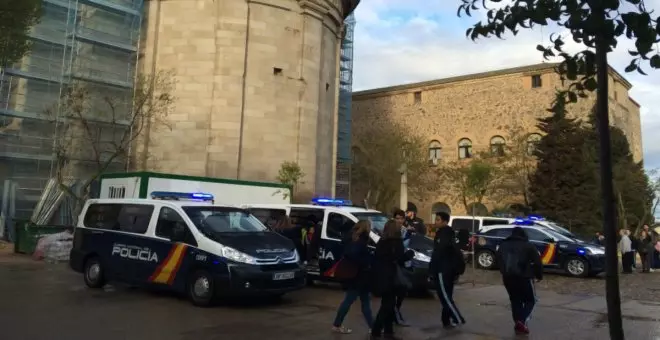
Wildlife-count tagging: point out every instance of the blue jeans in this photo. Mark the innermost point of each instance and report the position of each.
(345, 306)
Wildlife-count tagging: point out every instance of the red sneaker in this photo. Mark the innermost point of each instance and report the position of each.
(521, 328)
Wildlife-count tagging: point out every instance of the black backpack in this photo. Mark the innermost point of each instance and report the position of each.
(459, 261)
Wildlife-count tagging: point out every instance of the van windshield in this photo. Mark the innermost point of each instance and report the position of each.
(214, 220)
(377, 220)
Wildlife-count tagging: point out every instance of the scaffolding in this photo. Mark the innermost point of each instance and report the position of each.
(342, 186)
(93, 43)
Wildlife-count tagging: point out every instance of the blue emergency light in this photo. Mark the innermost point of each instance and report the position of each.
(190, 196)
(523, 222)
(331, 202)
(536, 218)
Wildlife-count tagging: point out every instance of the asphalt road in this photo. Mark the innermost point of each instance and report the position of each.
(48, 301)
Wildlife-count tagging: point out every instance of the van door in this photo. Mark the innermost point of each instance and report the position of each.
(463, 223)
(130, 244)
(545, 245)
(336, 226)
(170, 255)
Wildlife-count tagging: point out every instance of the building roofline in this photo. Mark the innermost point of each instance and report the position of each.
(426, 85)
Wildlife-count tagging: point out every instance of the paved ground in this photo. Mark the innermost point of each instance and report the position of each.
(640, 286)
(47, 301)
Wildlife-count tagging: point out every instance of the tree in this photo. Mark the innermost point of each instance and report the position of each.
(470, 182)
(633, 193)
(381, 148)
(16, 19)
(598, 25)
(95, 131)
(653, 177)
(290, 174)
(566, 173)
(518, 165)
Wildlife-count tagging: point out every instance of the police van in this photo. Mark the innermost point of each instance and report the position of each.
(330, 220)
(185, 243)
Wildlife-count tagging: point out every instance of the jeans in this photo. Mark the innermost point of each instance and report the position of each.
(384, 323)
(522, 296)
(398, 316)
(627, 260)
(345, 306)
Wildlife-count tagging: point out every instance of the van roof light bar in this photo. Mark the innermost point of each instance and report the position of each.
(331, 202)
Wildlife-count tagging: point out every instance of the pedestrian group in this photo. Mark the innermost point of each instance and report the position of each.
(384, 274)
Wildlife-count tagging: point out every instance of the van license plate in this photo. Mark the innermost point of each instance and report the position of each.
(283, 276)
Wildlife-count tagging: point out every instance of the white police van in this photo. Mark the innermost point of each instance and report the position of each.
(182, 242)
(330, 220)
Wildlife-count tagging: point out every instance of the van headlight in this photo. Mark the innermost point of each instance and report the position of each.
(595, 251)
(237, 256)
(297, 256)
(422, 257)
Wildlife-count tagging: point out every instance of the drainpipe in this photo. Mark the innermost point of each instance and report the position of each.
(239, 158)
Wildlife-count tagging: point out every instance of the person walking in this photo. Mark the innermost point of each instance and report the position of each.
(356, 266)
(387, 278)
(520, 262)
(402, 292)
(627, 255)
(645, 247)
(446, 266)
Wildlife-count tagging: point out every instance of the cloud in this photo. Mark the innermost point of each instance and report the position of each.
(399, 42)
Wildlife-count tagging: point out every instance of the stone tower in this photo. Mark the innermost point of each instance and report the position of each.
(257, 85)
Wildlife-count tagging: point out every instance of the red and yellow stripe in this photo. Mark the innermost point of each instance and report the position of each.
(331, 272)
(166, 271)
(549, 253)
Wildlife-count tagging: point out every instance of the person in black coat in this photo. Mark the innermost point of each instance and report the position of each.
(389, 257)
(356, 264)
(520, 262)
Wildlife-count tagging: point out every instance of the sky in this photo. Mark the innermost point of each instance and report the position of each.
(399, 42)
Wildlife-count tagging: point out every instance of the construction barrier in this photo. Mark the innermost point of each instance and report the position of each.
(28, 235)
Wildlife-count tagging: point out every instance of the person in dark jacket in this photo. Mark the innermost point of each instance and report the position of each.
(400, 218)
(389, 257)
(284, 227)
(445, 268)
(414, 223)
(644, 247)
(356, 255)
(520, 262)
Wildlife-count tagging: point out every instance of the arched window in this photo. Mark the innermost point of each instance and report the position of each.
(435, 152)
(532, 142)
(464, 148)
(497, 146)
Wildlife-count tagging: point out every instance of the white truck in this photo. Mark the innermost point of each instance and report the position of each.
(224, 191)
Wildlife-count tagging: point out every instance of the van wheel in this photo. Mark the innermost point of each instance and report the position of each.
(94, 273)
(201, 289)
(577, 267)
(486, 259)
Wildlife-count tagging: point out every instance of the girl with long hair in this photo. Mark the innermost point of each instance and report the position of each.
(357, 261)
(390, 256)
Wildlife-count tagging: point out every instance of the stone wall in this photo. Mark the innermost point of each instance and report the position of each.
(480, 107)
(256, 86)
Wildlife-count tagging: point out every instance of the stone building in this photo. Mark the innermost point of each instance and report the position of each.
(257, 85)
(465, 114)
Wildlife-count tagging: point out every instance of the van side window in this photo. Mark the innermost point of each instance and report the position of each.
(168, 220)
(267, 216)
(465, 223)
(134, 218)
(131, 218)
(338, 226)
(491, 221)
(102, 216)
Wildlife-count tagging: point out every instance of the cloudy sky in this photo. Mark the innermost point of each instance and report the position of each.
(400, 41)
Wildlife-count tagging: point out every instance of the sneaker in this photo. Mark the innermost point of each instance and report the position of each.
(520, 328)
(451, 325)
(341, 330)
